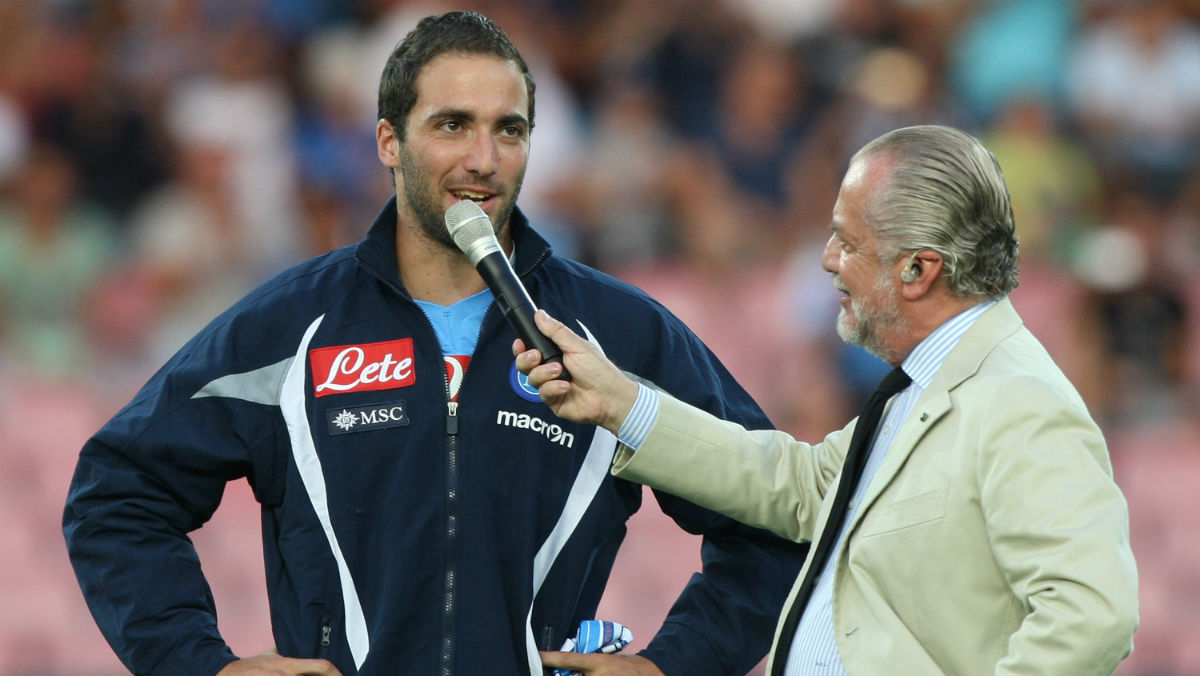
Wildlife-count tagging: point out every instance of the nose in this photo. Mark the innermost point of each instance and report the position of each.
(483, 157)
(830, 257)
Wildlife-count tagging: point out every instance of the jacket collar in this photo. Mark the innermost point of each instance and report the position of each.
(377, 251)
(998, 323)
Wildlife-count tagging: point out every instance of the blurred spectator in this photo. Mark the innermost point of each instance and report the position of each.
(1140, 309)
(85, 102)
(762, 112)
(14, 138)
(1054, 184)
(724, 280)
(688, 57)
(197, 253)
(620, 198)
(1135, 90)
(884, 88)
(164, 43)
(1011, 49)
(53, 248)
(785, 22)
(335, 138)
(244, 110)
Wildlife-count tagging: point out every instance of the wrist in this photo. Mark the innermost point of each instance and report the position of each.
(621, 403)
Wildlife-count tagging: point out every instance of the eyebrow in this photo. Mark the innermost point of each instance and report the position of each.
(514, 119)
(468, 116)
(451, 113)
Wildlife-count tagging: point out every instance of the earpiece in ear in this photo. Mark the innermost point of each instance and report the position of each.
(911, 271)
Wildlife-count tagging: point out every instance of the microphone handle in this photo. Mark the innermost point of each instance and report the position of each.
(517, 306)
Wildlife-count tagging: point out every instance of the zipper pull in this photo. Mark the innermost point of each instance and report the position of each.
(325, 633)
(452, 418)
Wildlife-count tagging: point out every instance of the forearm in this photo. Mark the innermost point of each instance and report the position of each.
(728, 469)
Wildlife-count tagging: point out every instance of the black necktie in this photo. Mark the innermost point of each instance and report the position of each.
(852, 467)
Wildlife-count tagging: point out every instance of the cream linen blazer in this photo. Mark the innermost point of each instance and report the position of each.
(992, 539)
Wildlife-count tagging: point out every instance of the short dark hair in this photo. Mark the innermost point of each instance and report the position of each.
(462, 32)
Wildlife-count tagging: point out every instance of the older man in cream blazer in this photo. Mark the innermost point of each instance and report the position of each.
(986, 534)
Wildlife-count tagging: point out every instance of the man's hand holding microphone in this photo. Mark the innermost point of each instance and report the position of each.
(597, 392)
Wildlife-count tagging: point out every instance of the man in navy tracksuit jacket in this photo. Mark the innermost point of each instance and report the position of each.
(422, 512)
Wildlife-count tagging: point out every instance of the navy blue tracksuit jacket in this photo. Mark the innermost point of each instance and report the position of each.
(417, 519)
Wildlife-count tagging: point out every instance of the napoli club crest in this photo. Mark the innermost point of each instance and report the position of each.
(520, 384)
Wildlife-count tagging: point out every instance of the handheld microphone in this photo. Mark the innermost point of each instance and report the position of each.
(472, 231)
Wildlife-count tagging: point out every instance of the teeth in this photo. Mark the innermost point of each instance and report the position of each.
(473, 196)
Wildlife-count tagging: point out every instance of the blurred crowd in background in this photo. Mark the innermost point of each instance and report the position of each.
(160, 158)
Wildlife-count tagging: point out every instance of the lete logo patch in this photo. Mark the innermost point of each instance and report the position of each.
(361, 368)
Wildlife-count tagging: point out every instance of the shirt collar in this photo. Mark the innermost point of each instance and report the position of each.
(925, 359)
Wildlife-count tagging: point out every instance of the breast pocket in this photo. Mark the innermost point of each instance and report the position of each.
(905, 513)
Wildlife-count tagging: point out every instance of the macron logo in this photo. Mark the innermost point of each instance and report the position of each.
(524, 421)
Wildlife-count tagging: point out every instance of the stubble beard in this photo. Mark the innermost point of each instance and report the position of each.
(863, 324)
(424, 200)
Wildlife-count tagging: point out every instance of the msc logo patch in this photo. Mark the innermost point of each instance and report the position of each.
(365, 418)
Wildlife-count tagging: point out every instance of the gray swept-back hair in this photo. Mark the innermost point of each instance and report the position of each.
(463, 32)
(945, 192)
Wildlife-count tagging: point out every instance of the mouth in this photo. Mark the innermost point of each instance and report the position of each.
(844, 298)
(481, 198)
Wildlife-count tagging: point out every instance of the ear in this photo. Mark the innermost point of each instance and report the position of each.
(919, 272)
(387, 143)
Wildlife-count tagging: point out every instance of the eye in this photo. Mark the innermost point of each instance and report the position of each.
(452, 125)
(513, 131)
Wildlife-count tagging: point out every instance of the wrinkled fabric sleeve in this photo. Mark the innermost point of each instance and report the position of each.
(150, 476)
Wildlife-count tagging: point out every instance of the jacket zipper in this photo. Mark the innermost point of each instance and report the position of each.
(446, 660)
(448, 607)
(448, 604)
(326, 636)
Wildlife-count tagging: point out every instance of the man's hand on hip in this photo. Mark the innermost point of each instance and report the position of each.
(271, 663)
(599, 664)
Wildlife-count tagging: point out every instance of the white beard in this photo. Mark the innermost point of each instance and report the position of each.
(861, 325)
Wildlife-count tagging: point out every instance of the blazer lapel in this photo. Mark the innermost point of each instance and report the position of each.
(963, 362)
